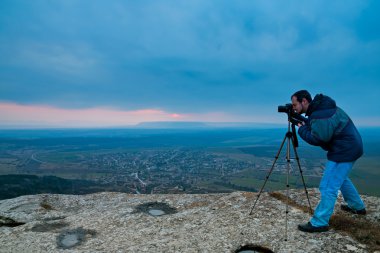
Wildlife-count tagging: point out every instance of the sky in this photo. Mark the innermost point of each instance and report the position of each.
(95, 63)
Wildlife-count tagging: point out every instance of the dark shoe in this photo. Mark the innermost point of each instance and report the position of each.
(346, 208)
(307, 227)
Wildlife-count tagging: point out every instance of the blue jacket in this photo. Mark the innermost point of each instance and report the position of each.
(331, 128)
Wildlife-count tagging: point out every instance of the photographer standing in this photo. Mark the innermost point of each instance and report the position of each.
(331, 128)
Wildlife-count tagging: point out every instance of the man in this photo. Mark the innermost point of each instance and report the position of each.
(329, 127)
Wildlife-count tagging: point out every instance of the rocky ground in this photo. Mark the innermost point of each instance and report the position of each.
(118, 222)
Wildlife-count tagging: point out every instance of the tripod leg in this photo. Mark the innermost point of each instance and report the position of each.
(269, 173)
(287, 187)
(303, 180)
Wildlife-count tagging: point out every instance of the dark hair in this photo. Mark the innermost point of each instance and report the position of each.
(301, 94)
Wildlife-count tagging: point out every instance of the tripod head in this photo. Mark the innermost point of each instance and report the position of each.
(292, 134)
(293, 118)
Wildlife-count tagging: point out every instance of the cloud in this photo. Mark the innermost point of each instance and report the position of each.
(188, 57)
(59, 59)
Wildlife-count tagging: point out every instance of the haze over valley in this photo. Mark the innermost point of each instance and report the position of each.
(148, 161)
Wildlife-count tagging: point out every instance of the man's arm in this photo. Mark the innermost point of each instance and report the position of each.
(305, 132)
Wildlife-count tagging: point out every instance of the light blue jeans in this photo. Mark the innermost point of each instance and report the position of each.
(335, 178)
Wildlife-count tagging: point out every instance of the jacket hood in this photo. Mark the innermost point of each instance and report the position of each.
(320, 102)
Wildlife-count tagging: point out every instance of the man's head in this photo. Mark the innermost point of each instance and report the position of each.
(300, 101)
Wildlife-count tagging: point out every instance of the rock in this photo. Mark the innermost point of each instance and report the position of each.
(119, 222)
(351, 248)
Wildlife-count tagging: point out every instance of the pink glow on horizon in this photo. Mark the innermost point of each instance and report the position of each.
(176, 116)
(15, 114)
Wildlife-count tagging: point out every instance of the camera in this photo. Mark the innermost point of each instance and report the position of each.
(288, 108)
(293, 117)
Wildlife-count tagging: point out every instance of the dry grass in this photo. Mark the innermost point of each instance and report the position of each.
(197, 204)
(46, 206)
(291, 202)
(362, 230)
(248, 195)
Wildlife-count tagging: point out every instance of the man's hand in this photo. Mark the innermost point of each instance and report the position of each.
(301, 124)
(297, 119)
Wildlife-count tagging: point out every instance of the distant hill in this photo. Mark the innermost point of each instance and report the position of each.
(171, 124)
(200, 125)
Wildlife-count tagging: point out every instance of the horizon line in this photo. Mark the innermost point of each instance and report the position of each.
(175, 125)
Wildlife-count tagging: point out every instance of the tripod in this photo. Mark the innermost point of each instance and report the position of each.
(290, 137)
